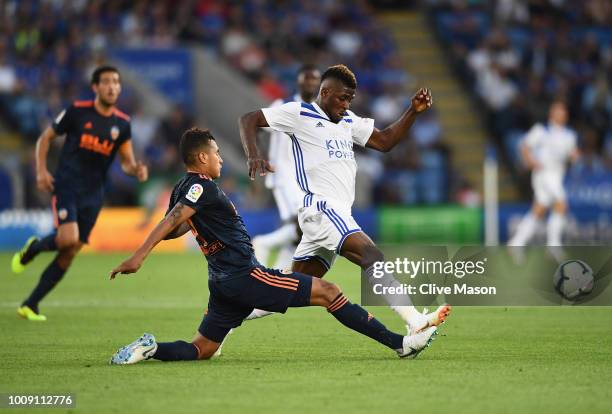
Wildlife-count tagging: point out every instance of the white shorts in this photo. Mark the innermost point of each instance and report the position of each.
(288, 200)
(324, 228)
(548, 188)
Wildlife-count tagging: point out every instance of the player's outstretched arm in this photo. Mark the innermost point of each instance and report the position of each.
(248, 125)
(388, 138)
(44, 179)
(179, 231)
(177, 216)
(129, 165)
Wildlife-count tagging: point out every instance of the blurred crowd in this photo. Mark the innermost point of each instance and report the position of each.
(517, 55)
(49, 47)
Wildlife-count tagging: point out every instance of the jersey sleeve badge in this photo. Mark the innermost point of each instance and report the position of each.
(194, 193)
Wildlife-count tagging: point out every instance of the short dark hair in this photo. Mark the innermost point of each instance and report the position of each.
(559, 100)
(97, 74)
(307, 67)
(192, 142)
(343, 74)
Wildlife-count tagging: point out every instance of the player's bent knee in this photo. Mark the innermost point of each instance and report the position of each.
(560, 207)
(68, 244)
(206, 348)
(205, 356)
(538, 210)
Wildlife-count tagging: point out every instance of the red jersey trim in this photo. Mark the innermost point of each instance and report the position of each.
(120, 114)
(83, 104)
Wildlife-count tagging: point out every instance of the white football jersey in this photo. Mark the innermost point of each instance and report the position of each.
(279, 154)
(322, 151)
(551, 146)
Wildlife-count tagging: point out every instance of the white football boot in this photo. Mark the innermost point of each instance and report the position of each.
(413, 345)
(141, 349)
(426, 320)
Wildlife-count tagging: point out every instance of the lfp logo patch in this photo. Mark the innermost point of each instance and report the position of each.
(194, 193)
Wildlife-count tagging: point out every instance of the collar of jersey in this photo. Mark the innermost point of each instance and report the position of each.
(202, 175)
(320, 111)
(549, 126)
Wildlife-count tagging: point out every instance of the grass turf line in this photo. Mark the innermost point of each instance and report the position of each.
(491, 359)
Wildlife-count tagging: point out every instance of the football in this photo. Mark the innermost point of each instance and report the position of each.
(573, 279)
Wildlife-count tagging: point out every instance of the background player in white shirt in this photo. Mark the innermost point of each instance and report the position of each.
(322, 136)
(287, 194)
(546, 150)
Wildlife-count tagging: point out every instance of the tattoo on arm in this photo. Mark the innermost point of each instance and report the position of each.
(175, 215)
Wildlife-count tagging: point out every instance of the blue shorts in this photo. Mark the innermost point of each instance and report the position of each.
(231, 301)
(70, 207)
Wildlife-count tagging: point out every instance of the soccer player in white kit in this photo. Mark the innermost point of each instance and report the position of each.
(322, 135)
(287, 194)
(546, 150)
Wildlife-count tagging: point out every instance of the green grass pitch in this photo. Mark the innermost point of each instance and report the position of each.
(540, 360)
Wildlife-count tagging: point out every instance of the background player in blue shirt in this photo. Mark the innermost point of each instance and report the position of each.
(237, 282)
(95, 132)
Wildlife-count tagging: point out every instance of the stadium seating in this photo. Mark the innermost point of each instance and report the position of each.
(533, 52)
(47, 49)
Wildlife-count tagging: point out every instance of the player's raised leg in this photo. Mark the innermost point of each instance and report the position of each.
(34, 245)
(361, 250)
(24, 256)
(68, 245)
(358, 319)
(267, 289)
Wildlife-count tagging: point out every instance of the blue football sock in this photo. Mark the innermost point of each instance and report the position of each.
(49, 278)
(45, 244)
(176, 351)
(358, 319)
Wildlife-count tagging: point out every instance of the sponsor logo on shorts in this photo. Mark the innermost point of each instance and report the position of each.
(194, 193)
(62, 213)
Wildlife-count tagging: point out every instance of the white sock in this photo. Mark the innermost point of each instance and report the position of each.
(406, 312)
(256, 314)
(554, 229)
(285, 257)
(285, 235)
(525, 231)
